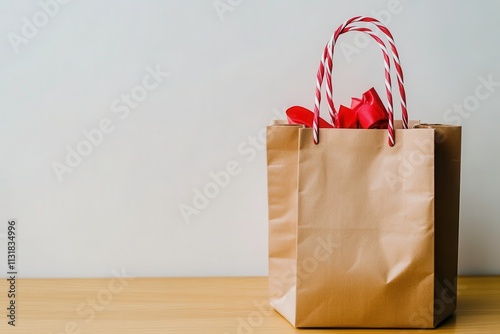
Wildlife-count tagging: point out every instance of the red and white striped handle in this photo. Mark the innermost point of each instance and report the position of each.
(327, 60)
(395, 56)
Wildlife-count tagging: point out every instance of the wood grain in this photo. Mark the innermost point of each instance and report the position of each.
(231, 305)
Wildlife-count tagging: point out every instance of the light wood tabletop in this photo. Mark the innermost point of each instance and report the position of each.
(232, 305)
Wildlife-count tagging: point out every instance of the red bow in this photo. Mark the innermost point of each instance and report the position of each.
(365, 113)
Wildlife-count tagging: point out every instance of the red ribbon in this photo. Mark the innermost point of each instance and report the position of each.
(368, 112)
(301, 115)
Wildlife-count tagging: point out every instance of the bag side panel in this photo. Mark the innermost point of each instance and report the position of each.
(447, 203)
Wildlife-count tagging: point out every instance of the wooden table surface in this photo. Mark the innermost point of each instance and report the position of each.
(197, 305)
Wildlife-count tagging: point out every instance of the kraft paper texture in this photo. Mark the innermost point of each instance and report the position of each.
(362, 234)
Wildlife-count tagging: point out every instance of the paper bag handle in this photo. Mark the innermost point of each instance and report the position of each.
(395, 58)
(327, 60)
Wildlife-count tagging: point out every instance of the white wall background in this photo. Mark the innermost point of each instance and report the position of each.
(229, 74)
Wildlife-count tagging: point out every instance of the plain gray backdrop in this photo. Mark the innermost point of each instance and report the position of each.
(180, 91)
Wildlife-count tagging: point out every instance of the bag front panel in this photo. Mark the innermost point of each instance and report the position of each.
(365, 236)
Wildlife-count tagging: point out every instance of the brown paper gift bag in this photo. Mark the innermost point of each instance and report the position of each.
(362, 234)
